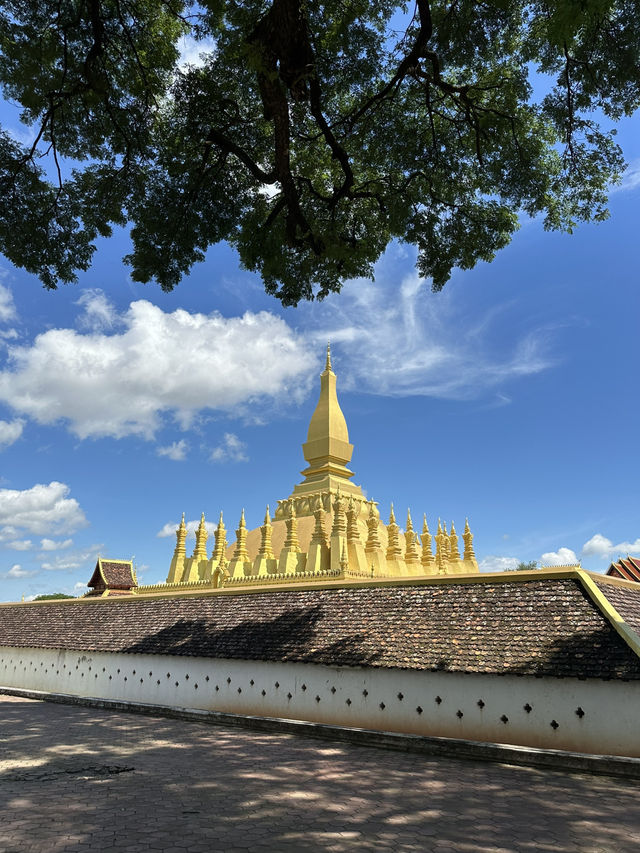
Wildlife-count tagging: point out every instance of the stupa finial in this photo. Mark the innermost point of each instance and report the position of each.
(328, 364)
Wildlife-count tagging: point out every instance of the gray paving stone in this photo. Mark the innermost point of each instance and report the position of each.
(198, 788)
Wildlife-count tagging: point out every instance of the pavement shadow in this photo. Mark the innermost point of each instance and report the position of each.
(199, 787)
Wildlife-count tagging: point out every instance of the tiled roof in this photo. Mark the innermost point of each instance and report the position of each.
(628, 569)
(626, 600)
(112, 574)
(536, 627)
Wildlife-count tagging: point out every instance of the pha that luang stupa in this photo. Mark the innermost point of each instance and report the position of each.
(326, 529)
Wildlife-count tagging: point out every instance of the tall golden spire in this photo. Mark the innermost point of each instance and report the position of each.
(327, 449)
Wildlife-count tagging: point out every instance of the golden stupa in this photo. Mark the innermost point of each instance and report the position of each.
(326, 529)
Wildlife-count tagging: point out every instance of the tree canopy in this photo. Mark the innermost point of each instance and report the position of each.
(310, 134)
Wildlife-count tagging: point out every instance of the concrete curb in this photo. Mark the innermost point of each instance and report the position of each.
(525, 756)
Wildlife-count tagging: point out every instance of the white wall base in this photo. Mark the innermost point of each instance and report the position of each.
(471, 707)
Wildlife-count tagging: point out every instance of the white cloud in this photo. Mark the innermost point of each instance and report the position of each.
(80, 587)
(231, 449)
(177, 450)
(16, 571)
(169, 529)
(492, 563)
(20, 545)
(180, 363)
(630, 178)
(42, 509)
(51, 545)
(600, 546)
(75, 560)
(7, 308)
(10, 431)
(407, 341)
(561, 557)
(99, 314)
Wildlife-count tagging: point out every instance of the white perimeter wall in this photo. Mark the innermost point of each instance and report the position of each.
(424, 703)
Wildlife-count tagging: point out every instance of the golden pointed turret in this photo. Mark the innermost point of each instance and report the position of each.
(318, 557)
(241, 562)
(265, 562)
(427, 559)
(176, 570)
(355, 548)
(454, 552)
(344, 560)
(338, 531)
(220, 547)
(395, 563)
(468, 541)
(200, 551)
(411, 554)
(291, 558)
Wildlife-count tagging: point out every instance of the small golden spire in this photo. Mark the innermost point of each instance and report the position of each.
(411, 554)
(344, 560)
(373, 539)
(454, 553)
(291, 541)
(241, 552)
(468, 542)
(181, 535)
(267, 517)
(394, 550)
(425, 538)
(220, 547)
(328, 364)
(200, 551)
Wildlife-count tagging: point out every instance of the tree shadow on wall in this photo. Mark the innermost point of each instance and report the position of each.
(291, 636)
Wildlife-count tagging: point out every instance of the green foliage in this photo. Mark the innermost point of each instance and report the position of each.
(54, 596)
(311, 135)
(526, 567)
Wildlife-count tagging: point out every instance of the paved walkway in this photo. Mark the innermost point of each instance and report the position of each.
(80, 779)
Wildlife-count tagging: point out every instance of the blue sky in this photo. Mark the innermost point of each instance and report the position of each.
(511, 398)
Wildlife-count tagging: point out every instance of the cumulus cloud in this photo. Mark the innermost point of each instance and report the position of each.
(16, 571)
(493, 563)
(42, 509)
(404, 341)
(561, 557)
(51, 545)
(231, 449)
(7, 307)
(20, 545)
(602, 547)
(74, 560)
(122, 383)
(10, 431)
(177, 450)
